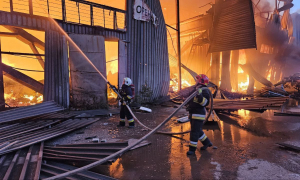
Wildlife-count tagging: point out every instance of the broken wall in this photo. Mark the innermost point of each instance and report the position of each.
(88, 88)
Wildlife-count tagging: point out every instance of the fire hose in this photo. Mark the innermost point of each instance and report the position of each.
(94, 164)
(161, 132)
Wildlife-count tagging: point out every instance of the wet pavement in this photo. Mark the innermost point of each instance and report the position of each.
(246, 149)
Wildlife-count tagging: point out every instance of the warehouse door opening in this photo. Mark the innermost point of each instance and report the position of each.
(112, 69)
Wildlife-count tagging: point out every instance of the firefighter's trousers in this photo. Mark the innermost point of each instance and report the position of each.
(124, 113)
(197, 133)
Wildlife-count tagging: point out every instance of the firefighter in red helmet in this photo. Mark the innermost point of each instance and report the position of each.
(197, 113)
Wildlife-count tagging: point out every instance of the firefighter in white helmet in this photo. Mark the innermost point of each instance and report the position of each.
(127, 95)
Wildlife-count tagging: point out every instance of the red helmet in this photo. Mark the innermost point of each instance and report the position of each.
(202, 79)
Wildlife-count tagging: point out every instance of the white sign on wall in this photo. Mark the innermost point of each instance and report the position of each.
(142, 12)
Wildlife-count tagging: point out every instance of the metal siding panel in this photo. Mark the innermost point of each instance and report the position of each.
(234, 27)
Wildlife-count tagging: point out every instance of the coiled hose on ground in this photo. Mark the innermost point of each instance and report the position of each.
(94, 164)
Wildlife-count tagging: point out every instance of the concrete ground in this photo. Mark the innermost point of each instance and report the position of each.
(246, 148)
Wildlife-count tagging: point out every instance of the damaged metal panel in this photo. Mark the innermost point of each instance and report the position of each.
(233, 27)
(88, 87)
(22, 164)
(52, 168)
(148, 61)
(42, 132)
(29, 111)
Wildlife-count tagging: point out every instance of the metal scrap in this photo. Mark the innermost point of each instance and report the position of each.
(22, 164)
(29, 111)
(26, 136)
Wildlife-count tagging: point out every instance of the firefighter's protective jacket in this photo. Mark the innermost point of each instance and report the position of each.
(126, 93)
(196, 106)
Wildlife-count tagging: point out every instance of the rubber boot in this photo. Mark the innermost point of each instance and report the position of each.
(206, 143)
(191, 151)
(131, 125)
(121, 124)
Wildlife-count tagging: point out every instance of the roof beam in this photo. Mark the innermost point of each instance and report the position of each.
(22, 78)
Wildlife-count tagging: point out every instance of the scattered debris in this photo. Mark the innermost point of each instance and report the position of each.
(143, 143)
(22, 164)
(84, 115)
(89, 152)
(90, 137)
(29, 111)
(289, 146)
(51, 168)
(249, 104)
(183, 119)
(145, 109)
(96, 140)
(287, 113)
(27, 134)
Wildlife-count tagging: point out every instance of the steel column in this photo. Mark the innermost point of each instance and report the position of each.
(2, 100)
(178, 46)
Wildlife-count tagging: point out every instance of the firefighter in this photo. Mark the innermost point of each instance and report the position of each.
(127, 95)
(197, 113)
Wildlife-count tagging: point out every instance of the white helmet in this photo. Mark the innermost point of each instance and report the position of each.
(127, 81)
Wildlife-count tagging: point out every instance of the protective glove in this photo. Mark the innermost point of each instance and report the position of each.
(199, 91)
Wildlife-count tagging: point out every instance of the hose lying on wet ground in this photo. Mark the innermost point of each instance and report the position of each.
(94, 164)
(175, 133)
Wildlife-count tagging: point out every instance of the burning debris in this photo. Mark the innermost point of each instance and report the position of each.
(16, 95)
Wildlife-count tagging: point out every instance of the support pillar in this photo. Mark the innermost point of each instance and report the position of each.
(225, 78)
(215, 68)
(235, 70)
(178, 46)
(2, 100)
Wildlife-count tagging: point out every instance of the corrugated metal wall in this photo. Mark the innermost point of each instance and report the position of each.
(234, 26)
(148, 61)
(56, 87)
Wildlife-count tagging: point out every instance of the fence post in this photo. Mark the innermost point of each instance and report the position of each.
(11, 6)
(103, 18)
(92, 15)
(30, 7)
(48, 7)
(115, 20)
(78, 12)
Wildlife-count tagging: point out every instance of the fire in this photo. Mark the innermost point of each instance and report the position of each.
(16, 100)
(113, 66)
(243, 86)
(174, 83)
(269, 75)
